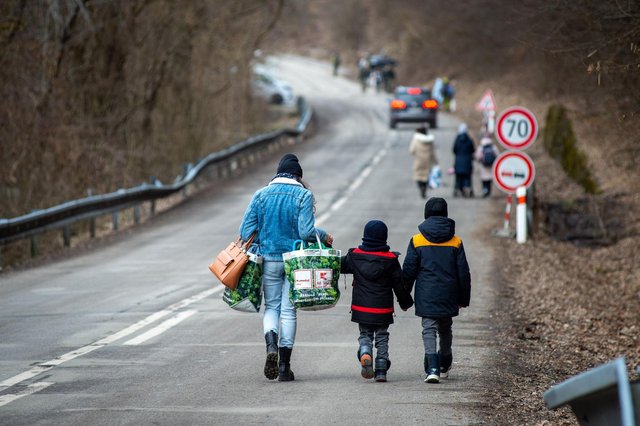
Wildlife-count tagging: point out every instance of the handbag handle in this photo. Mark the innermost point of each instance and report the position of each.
(248, 243)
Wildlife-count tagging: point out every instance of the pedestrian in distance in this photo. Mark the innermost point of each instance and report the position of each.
(463, 149)
(486, 155)
(335, 59)
(280, 213)
(437, 264)
(376, 277)
(422, 149)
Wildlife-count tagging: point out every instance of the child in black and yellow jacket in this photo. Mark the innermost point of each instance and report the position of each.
(376, 276)
(437, 263)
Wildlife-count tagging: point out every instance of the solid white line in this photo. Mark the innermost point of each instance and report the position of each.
(36, 387)
(354, 185)
(45, 366)
(161, 328)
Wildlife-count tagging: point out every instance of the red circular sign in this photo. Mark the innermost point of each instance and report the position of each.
(517, 128)
(513, 169)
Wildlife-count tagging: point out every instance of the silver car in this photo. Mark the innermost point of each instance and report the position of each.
(413, 105)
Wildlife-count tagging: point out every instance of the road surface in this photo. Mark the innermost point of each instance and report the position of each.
(136, 332)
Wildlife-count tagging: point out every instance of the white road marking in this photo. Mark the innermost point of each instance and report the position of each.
(46, 366)
(36, 387)
(160, 328)
(354, 185)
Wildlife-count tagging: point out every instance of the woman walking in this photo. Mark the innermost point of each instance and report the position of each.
(486, 154)
(280, 213)
(424, 158)
(463, 148)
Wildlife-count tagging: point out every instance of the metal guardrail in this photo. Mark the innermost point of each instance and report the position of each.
(62, 215)
(601, 396)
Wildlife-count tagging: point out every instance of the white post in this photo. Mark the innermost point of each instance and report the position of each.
(521, 215)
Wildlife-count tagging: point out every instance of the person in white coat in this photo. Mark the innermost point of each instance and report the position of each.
(424, 158)
(486, 154)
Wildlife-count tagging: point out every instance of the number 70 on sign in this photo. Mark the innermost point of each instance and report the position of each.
(517, 128)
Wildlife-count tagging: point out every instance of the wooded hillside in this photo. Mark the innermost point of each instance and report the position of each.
(101, 95)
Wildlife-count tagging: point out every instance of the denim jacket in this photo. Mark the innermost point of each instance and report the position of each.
(281, 212)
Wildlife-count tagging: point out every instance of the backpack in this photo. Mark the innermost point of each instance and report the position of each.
(488, 155)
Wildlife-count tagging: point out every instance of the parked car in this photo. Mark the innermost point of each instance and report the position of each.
(272, 89)
(413, 105)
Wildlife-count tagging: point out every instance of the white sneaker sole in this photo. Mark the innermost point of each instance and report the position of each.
(432, 378)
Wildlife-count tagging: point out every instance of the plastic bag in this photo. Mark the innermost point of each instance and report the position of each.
(435, 177)
(313, 274)
(247, 296)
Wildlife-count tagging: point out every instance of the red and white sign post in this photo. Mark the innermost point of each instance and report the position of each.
(513, 171)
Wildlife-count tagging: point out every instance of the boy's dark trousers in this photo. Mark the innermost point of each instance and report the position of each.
(443, 328)
(378, 334)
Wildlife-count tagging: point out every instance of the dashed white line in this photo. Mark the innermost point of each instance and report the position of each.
(354, 185)
(161, 328)
(46, 366)
(36, 387)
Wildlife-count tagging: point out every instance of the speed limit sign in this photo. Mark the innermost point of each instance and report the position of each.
(517, 128)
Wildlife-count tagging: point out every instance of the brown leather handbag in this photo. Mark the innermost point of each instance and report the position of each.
(229, 264)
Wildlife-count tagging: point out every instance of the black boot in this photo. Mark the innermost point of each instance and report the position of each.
(271, 364)
(422, 188)
(366, 361)
(285, 374)
(382, 366)
(432, 368)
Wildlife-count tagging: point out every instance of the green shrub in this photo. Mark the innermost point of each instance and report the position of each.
(560, 142)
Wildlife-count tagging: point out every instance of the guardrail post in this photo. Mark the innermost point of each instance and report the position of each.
(66, 236)
(136, 214)
(92, 227)
(114, 220)
(152, 208)
(34, 246)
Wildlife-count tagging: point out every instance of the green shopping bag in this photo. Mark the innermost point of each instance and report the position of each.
(247, 296)
(313, 274)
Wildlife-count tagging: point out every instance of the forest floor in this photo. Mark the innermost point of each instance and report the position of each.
(566, 306)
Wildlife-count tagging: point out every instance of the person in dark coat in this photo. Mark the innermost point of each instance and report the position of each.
(437, 263)
(376, 276)
(463, 149)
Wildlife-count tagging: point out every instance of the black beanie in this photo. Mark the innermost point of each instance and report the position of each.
(436, 206)
(289, 164)
(375, 236)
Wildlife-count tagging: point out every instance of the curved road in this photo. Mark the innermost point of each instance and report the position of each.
(136, 332)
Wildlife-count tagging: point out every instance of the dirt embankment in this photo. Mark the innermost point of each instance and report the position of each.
(568, 306)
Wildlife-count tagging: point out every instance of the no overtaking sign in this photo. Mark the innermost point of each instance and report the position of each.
(513, 169)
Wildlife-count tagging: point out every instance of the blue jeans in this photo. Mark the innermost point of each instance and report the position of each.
(279, 313)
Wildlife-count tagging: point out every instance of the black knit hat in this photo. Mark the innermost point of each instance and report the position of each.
(289, 164)
(375, 236)
(436, 206)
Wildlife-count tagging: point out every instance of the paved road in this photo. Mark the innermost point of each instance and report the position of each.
(136, 332)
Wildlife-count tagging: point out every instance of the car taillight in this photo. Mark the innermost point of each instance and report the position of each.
(398, 104)
(430, 104)
(414, 90)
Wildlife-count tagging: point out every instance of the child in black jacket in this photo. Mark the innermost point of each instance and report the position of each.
(437, 263)
(376, 276)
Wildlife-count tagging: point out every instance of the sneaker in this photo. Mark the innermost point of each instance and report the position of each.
(367, 366)
(444, 373)
(432, 377)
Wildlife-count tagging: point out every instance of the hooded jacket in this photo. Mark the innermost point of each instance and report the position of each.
(424, 156)
(436, 262)
(376, 276)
